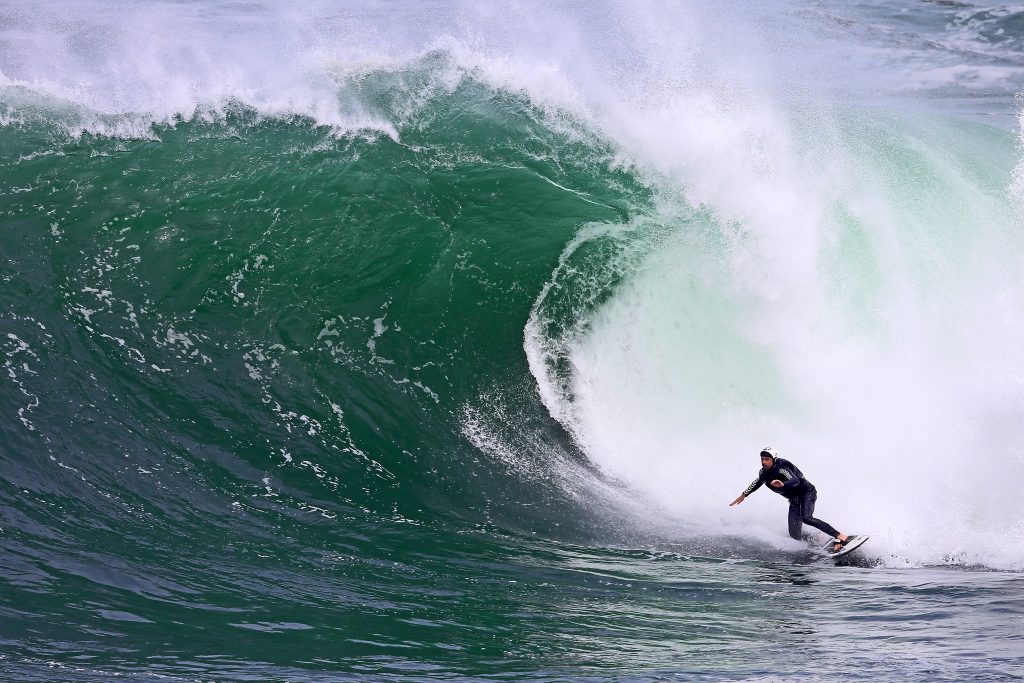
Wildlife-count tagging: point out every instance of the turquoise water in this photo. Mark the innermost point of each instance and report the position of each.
(430, 342)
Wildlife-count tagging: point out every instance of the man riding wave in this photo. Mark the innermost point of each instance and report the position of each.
(788, 481)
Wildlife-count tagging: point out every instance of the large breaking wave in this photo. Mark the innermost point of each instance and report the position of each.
(283, 261)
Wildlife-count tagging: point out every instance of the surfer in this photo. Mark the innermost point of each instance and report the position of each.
(788, 481)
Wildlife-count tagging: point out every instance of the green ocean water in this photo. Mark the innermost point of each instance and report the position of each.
(461, 391)
(247, 346)
(232, 272)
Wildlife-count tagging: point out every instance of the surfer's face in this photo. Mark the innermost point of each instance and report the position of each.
(767, 462)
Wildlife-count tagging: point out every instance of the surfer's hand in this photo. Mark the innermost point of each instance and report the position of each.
(776, 483)
(738, 500)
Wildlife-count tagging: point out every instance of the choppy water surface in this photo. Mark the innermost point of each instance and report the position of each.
(511, 609)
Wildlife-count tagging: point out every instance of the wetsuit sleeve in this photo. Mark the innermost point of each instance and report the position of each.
(754, 485)
(790, 479)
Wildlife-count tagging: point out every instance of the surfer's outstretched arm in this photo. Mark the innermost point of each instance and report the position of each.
(754, 485)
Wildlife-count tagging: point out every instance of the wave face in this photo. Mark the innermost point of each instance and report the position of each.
(374, 332)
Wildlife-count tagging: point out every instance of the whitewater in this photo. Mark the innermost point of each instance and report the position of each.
(431, 340)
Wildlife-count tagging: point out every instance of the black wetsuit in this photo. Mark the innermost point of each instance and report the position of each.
(800, 493)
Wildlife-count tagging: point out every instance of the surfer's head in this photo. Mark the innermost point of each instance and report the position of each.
(768, 456)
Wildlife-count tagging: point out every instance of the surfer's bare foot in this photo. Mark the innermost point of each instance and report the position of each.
(840, 540)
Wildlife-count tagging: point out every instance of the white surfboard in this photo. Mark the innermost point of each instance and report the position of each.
(857, 542)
